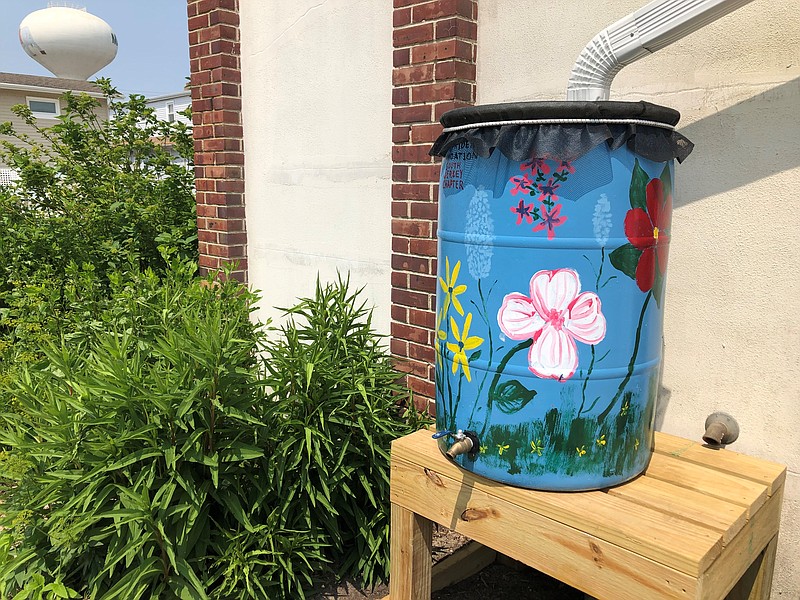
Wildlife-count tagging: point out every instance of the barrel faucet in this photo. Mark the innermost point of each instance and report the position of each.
(465, 442)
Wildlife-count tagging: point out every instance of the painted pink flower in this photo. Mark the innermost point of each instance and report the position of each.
(554, 316)
(521, 185)
(535, 165)
(523, 211)
(550, 220)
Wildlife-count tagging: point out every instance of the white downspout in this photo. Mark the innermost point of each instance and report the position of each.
(641, 33)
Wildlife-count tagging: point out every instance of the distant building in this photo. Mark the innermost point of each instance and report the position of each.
(43, 95)
(169, 106)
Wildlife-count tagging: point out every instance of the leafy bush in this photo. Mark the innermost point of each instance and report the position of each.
(139, 456)
(95, 196)
(154, 454)
(335, 406)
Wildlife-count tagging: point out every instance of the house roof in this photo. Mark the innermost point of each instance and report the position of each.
(52, 84)
(175, 95)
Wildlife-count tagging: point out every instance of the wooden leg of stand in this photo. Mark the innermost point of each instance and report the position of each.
(410, 573)
(756, 583)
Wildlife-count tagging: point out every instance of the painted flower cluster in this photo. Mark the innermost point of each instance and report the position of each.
(542, 181)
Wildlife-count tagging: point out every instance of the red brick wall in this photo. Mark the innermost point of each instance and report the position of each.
(218, 145)
(434, 71)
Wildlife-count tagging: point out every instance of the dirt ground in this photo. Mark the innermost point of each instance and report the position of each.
(496, 582)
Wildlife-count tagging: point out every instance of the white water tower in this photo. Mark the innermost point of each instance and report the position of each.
(68, 42)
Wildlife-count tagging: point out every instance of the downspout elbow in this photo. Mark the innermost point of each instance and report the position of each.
(639, 34)
(602, 58)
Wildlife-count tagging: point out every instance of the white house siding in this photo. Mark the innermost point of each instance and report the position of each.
(732, 330)
(316, 96)
(12, 97)
(181, 102)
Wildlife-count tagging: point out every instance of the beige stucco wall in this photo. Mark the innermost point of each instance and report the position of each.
(732, 330)
(316, 84)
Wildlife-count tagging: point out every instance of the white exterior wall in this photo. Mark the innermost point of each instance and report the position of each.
(732, 330)
(316, 96)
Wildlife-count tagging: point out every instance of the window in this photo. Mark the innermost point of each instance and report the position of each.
(44, 108)
(171, 112)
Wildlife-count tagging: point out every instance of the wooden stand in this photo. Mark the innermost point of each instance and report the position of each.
(700, 524)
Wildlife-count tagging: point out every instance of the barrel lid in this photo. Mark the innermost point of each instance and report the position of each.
(564, 130)
(512, 111)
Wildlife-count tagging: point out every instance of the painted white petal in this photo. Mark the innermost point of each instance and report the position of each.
(517, 318)
(585, 320)
(554, 290)
(554, 355)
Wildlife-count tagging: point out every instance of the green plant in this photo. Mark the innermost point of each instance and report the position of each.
(162, 447)
(95, 197)
(336, 405)
(139, 455)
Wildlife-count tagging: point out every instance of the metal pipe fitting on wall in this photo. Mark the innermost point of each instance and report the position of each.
(721, 429)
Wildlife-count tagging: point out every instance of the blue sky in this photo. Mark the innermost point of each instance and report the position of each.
(153, 56)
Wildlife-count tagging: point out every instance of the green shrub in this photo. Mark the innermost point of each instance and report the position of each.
(336, 407)
(95, 196)
(139, 456)
(154, 452)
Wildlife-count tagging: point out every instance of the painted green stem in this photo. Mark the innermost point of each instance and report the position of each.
(625, 381)
(496, 379)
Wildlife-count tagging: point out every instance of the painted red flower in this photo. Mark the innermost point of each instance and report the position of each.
(648, 231)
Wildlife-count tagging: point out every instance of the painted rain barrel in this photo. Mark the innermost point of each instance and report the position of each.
(554, 228)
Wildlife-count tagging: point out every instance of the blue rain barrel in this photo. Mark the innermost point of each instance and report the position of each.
(554, 229)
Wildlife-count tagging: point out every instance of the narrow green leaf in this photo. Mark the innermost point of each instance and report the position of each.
(639, 181)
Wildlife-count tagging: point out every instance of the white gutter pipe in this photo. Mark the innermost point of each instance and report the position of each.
(639, 34)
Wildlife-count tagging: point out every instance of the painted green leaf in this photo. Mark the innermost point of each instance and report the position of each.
(511, 396)
(639, 182)
(666, 179)
(658, 288)
(474, 356)
(625, 258)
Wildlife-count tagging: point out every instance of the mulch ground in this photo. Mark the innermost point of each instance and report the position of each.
(501, 580)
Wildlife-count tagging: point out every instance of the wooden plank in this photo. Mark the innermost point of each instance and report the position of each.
(662, 537)
(745, 548)
(477, 509)
(768, 473)
(465, 562)
(410, 554)
(723, 516)
(706, 480)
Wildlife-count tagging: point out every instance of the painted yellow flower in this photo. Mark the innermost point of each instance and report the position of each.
(537, 447)
(502, 448)
(464, 342)
(581, 451)
(624, 410)
(601, 441)
(483, 449)
(450, 289)
(636, 445)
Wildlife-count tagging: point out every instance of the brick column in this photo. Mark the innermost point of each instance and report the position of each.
(218, 145)
(434, 71)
